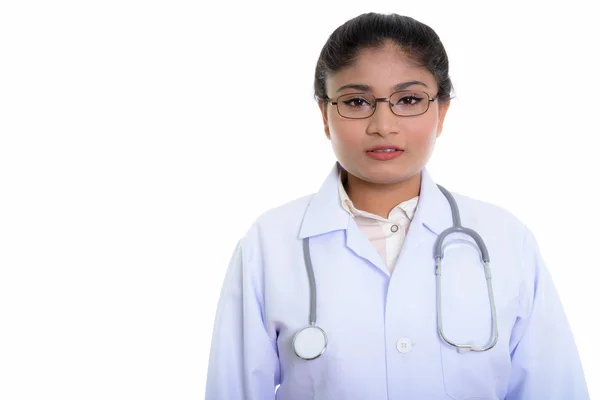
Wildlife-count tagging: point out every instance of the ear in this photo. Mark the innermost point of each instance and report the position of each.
(443, 108)
(323, 108)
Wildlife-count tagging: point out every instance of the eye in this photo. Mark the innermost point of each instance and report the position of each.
(356, 101)
(409, 100)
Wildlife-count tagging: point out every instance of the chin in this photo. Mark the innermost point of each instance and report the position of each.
(385, 177)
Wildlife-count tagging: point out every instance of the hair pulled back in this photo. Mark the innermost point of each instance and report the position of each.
(371, 30)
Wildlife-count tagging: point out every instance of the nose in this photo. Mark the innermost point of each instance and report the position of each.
(383, 121)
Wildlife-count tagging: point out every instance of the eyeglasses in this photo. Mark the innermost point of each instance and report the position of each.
(405, 103)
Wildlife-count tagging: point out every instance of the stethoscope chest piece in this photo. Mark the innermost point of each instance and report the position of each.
(310, 342)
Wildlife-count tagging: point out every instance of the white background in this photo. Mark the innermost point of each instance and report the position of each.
(140, 139)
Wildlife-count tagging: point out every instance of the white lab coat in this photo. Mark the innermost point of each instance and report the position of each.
(382, 332)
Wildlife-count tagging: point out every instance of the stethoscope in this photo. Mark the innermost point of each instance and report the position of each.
(310, 342)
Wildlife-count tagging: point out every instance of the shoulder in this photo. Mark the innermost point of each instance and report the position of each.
(281, 222)
(490, 217)
(511, 244)
(287, 214)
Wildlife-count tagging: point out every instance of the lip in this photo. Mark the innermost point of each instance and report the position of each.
(385, 146)
(385, 156)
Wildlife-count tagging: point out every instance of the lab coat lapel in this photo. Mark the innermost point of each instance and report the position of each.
(362, 247)
(432, 216)
(325, 214)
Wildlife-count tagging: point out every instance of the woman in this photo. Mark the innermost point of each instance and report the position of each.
(378, 326)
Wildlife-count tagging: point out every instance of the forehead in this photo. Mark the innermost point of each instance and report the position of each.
(382, 69)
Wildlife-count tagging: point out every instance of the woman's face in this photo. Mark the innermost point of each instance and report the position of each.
(382, 70)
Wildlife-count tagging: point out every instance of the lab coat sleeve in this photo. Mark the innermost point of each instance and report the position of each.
(545, 359)
(243, 363)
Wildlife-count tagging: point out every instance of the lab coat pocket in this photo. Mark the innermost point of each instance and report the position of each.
(467, 319)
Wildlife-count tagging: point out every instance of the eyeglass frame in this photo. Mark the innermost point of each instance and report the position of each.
(381, 99)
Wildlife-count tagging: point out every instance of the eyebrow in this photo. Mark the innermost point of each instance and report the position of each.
(367, 88)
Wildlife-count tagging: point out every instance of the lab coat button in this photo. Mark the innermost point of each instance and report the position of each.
(394, 228)
(404, 345)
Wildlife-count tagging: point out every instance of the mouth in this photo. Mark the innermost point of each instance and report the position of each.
(384, 149)
(384, 153)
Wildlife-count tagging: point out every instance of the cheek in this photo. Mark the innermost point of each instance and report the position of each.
(422, 134)
(346, 135)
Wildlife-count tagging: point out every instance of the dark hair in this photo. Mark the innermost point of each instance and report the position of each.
(371, 30)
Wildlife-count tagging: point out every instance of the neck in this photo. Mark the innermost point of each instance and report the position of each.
(380, 199)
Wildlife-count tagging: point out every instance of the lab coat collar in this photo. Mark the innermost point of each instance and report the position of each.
(325, 212)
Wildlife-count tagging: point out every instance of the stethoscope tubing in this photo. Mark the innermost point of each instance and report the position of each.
(438, 256)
